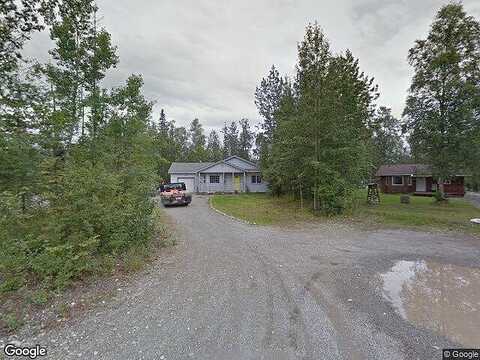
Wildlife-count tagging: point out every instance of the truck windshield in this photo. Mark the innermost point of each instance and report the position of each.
(175, 186)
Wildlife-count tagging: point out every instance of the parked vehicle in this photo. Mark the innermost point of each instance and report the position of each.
(175, 194)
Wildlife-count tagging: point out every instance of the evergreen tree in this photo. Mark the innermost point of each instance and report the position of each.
(442, 110)
(164, 126)
(245, 140)
(230, 139)
(197, 150)
(214, 147)
(267, 99)
(320, 145)
(181, 143)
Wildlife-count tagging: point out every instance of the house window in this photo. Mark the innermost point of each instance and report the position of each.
(397, 180)
(447, 182)
(214, 179)
(256, 179)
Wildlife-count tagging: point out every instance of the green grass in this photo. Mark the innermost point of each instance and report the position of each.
(262, 209)
(422, 212)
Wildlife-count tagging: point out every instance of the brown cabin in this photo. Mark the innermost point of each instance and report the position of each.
(415, 179)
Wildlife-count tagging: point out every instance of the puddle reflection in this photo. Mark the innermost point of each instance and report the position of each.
(441, 297)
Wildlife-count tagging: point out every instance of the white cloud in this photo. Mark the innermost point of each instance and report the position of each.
(204, 58)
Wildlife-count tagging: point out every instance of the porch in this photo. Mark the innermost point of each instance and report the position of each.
(230, 182)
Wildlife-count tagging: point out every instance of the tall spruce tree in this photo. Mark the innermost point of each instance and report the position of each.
(197, 144)
(443, 105)
(267, 99)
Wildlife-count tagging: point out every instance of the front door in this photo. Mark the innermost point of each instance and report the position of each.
(421, 184)
(236, 183)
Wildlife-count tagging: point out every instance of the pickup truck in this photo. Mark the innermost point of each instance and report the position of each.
(175, 194)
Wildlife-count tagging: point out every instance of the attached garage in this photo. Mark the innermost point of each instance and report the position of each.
(189, 183)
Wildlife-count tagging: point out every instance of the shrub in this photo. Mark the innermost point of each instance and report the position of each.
(404, 199)
(439, 196)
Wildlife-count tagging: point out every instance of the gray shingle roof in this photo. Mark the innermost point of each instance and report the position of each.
(187, 167)
(404, 169)
(191, 167)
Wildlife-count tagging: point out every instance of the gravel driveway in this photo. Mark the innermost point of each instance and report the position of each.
(236, 291)
(474, 198)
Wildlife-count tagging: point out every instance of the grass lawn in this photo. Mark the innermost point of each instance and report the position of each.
(422, 212)
(262, 209)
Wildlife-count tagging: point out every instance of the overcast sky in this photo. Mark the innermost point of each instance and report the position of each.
(204, 58)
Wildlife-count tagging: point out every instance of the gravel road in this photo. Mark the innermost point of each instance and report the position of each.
(235, 291)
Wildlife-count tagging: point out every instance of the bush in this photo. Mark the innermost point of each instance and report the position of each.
(335, 196)
(96, 214)
(404, 199)
(439, 196)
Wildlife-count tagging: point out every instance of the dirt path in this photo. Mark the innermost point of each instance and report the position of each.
(235, 291)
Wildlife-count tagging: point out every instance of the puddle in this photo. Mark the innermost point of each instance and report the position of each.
(440, 297)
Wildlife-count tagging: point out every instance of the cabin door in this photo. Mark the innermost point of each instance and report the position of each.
(421, 184)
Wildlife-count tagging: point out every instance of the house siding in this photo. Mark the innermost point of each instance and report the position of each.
(252, 187)
(386, 185)
(456, 188)
(227, 171)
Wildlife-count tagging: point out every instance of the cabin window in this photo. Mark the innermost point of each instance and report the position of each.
(256, 179)
(397, 180)
(214, 179)
(447, 182)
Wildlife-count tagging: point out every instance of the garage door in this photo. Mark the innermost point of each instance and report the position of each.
(189, 183)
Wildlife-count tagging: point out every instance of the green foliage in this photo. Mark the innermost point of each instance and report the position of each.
(388, 146)
(245, 139)
(39, 297)
(78, 163)
(320, 145)
(197, 151)
(421, 213)
(12, 321)
(442, 110)
(439, 196)
(214, 147)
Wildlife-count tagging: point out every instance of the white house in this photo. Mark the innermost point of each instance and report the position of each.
(232, 174)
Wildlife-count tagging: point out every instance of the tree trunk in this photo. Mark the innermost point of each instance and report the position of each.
(441, 188)
(301, 197)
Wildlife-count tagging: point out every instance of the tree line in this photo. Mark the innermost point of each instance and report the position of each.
(323, 135)
(193, 145)
(78, 161)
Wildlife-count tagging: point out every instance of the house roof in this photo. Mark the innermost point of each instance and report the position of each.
(404, 169)
(191, 167)
(188, 167)
(221, 162)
